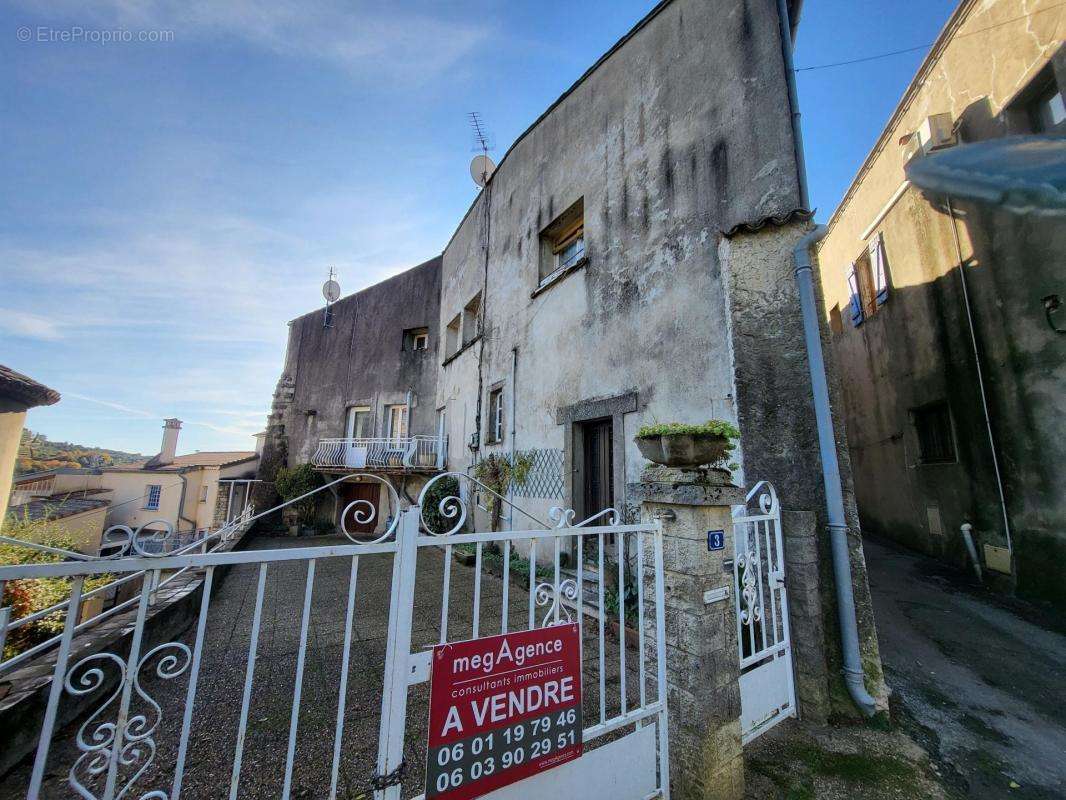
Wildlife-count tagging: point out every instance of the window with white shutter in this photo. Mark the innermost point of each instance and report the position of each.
(879, 268)
(856, 297)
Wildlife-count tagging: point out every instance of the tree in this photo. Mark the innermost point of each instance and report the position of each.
(299, 480)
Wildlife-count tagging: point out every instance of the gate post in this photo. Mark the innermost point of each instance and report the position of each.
(702, 661)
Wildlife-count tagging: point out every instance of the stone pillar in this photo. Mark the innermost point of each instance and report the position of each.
(702, 663)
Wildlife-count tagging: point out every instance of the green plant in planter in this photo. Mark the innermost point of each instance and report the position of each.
(293, 482)
(715, 427)
(499, 471)
(684, 446)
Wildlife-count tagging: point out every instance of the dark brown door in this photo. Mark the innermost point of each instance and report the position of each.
(367, 494)
(598, 466)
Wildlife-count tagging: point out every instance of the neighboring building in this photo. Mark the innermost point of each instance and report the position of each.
(628, 262)
(192, 493)
(82, 516)
(17, 395)
(357, 392)
(951, 355)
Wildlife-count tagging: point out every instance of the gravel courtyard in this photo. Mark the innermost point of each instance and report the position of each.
(217, 708)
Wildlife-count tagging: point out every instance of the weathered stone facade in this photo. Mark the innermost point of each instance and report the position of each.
(908, 360)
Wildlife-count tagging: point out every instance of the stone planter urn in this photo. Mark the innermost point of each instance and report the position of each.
(687, 446)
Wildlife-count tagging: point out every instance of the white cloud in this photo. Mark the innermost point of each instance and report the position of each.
(358, 37)
(29, 326)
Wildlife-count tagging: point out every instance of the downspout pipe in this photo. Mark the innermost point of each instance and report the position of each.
(785, 25)
(834, 494)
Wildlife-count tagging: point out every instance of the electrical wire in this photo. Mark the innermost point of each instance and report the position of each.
(925, 46)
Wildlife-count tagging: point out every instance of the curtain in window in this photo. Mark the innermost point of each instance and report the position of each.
(879, 268)
(856, 298)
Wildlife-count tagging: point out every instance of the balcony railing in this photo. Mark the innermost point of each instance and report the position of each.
(400, 453)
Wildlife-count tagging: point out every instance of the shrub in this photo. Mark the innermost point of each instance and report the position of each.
(299, 480)
(714, 427)
(435, 521)
(30, 595)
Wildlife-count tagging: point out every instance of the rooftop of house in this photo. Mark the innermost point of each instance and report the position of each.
(56, 508)
(18, 388)
(220, 458)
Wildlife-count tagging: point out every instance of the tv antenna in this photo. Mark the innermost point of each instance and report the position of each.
(482, 167)
(331, 291)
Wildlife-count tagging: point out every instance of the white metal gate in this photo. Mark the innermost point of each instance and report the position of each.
(767, 686)
(139, 734)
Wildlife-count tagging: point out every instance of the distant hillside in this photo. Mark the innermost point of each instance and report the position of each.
(37, 452)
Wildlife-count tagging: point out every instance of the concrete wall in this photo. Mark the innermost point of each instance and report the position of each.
(10, 434)
(917, 350)
(674, 136)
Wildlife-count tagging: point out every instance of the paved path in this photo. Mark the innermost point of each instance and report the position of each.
(217, 708)
(984, 684)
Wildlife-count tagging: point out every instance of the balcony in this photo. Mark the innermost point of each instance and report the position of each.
(398, 454)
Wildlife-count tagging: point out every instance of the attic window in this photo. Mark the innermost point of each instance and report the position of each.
(470, 319)
(563, 243)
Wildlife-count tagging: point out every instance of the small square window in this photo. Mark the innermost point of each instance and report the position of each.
(203, 494)
(151, 498)
(452, 335)
(1047, 111)
(563, 243)
(936, 436)
(416, 339)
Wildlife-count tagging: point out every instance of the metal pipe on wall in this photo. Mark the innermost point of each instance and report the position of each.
(785, 25)
(834, 495)
(980, 378)
(514, 392)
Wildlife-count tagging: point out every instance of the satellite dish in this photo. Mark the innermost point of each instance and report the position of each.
(481, 169)
(331, 290)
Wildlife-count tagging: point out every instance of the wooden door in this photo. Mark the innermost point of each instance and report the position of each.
(367, 493)
(598, 466)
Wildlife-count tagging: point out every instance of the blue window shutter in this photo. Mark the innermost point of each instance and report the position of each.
(879, 268)
(856, 299)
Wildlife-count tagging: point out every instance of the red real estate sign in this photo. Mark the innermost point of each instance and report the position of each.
(501, 709)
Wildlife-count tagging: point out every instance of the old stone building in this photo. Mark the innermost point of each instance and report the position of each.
(944, 317)
(629, 261)
(357, 391)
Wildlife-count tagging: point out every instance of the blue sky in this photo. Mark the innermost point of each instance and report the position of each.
(169, 205)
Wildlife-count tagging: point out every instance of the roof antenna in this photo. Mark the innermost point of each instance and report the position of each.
(482, 167)
(331, 291)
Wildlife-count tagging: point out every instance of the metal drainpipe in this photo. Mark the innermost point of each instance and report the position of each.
(834, 495)
(793, 100)
(510, 490)
(980, 379)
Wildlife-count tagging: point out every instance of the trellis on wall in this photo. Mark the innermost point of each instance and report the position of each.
(545, 477)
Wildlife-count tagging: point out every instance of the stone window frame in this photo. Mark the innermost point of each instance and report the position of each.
(571, 417)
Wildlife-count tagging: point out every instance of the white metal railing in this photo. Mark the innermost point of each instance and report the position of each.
(154, 543)
(627, 683)
(397, 452)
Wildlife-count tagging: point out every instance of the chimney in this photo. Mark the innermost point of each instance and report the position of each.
(170, 442)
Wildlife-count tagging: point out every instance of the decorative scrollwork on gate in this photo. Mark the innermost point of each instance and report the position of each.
(365, 512)
(97, 736)
(456, 510)
(749, 567)
(552, 595)
(564, 517)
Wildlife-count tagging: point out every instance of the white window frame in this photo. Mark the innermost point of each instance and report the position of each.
(349, 422)
(420, 341)
(496, 414)
(391, 415)
(149, 503)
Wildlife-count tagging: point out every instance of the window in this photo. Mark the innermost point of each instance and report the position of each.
(203, 494)
(495, 420)
(396, 417)
(936, 438)
(357, 425)
(416, 339)
(1048, 112)
(470, 319)
(868, 281)
(452, 335)
(563, 243)
(151, 499)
